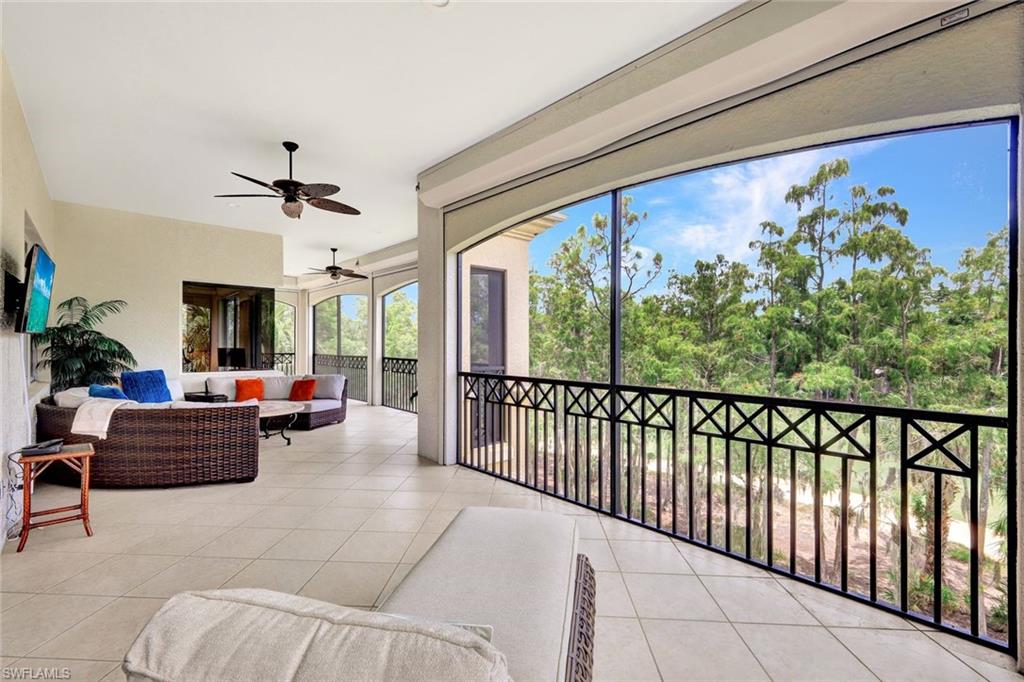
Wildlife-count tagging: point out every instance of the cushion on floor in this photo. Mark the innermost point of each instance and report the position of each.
(513, 569)
(251, 634)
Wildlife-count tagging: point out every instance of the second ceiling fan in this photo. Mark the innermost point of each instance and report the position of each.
(335, 271)
(294, 192)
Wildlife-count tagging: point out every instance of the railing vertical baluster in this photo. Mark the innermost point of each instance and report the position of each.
(590, 431)
(904, 517)
(873, 520)
(747, 502)
(709, 496)
(545, 451)
(657, 478)
(792, 510)
(844, 509)
(976, 535)
(769, 526)
(629, 470)
(675, 465)
(937, 549)
(689, 467)
(817, 497)
(643, 468)
(576, 458)
(600, 465)
(728, 478)
(556, 418)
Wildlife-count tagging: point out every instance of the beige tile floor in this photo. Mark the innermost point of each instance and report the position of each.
(344, 513)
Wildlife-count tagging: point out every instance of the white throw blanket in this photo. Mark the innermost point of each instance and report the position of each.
(92, 418)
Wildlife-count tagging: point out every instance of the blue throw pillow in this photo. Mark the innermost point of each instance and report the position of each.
(146, 387)
(97, 391)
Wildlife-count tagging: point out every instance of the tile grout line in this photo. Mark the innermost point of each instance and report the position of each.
(732, 625)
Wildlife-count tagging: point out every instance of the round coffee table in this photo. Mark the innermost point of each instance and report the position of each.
(277, 416)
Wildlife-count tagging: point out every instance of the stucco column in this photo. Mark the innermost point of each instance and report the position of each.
(436, 347)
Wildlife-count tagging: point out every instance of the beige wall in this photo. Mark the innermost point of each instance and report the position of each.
(23, 195)
(511, 254)
(143, 260)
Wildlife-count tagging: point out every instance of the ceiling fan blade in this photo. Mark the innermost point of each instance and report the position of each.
(318, 190)
(272, 196)
(258, 182)
(354, 275)
(332, 205)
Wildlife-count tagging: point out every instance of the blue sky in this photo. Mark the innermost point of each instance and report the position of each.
(954, 183)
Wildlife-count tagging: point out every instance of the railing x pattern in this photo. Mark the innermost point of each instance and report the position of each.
(861, 500)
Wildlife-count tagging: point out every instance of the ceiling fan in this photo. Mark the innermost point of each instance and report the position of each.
(336, 271)
(294, 192)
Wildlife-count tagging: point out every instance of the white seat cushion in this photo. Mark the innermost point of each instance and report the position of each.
(253, 634)
(72, 397)
(513, 569)
(319, 405)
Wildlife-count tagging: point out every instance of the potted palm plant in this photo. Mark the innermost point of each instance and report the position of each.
(76, 353)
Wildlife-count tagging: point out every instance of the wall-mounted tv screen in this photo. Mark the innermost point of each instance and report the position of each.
(38, 290)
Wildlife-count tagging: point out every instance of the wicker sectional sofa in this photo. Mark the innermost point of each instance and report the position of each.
(179, 442)
(162, 447)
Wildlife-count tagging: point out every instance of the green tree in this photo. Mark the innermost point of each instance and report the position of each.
(400, 331)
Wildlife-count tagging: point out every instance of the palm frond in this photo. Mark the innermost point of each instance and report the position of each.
(76, 353)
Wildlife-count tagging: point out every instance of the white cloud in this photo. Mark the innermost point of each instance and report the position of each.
(41, 286)
(728, 204)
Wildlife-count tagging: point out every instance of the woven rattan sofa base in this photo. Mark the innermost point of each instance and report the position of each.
(162, 447)
(314, 420)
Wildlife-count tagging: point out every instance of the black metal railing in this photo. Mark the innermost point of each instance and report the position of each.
(352, 366)
(283, 362)
(398, 388)
(893, 507)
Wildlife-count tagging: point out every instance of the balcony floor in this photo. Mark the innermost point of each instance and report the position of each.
(344, 513)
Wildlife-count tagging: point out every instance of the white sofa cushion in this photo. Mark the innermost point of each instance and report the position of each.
(223, 385)
(277, 388)
(72, 397)
(513, 569)
(251, 634)
(147, 406)
(176, 389)
(328, 386)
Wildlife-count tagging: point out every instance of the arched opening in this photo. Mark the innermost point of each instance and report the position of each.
(281, 330)
(399, 363)
(341, 331)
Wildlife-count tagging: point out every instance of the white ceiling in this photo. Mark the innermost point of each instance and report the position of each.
(147, 107)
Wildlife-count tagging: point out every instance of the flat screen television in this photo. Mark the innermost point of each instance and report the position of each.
(35, 305)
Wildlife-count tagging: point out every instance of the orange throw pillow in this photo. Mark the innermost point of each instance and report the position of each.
(302, 389)
(247, 389)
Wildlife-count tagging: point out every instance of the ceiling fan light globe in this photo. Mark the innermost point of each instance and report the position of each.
(292, 209)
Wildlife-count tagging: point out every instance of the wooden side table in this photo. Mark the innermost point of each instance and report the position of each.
(74, 456)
